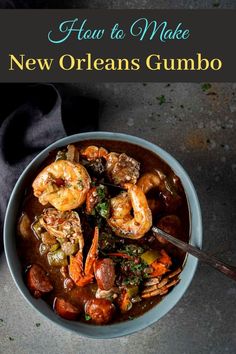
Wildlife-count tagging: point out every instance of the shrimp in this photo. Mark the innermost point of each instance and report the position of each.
(94, 158)
(94, 152)
(122, 222)
(119, 168)
(121, 206)
(167, 190)
(63, 184)
(149, 181)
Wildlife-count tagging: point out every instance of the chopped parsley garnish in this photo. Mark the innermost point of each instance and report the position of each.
(107, 241)
(133, 250)
(161, 99)
(133, 272)
(103, 209)
(87, 317)
(206, 87)
(101, 192)
(37, 324)
(80, 184)
(216, 3)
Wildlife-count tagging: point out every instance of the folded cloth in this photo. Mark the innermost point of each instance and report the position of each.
(38, 119)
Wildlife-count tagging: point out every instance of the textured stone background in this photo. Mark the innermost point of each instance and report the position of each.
(198, 128)
(116, 4)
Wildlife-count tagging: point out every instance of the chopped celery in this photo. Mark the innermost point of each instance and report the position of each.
(136, 299)
(150, 256)
(69, 248)
(37, 229)
(48, 239)
(60, 239)
(54, 247)
(57, 258)
(132, 290)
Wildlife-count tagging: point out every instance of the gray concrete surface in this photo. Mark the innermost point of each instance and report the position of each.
(198, 128)
(126, 4)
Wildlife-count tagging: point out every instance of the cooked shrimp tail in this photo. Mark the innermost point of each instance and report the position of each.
(122, 222)
(148, 181)
(93, 152)
(63, 184)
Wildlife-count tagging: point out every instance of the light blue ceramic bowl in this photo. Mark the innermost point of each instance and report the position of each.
(119, 329)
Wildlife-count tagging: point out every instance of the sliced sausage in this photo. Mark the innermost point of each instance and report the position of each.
(101, 311)
(171, 201)
(80, 295)
(155, 205)
(170, 224)
(104, 270)
(65, 309)
(37, 281)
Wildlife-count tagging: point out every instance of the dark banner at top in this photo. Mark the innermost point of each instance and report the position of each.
(117, 45)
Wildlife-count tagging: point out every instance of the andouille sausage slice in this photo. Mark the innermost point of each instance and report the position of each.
(104, 270)
(65, 309)
(101, 311)
(37, 281)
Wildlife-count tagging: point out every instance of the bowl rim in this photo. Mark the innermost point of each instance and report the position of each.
(152, 315)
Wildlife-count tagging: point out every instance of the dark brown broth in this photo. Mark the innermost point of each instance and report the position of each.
(29, 249)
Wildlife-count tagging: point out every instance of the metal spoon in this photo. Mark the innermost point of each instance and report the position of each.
(222, 267)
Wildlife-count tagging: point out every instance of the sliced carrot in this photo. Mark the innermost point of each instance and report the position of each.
(161, 265)
(165, 259)
(158, 269)
(124, 301)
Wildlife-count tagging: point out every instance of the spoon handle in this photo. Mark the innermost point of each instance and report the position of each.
(228, 270)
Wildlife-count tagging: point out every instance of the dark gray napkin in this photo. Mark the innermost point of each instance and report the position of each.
(34, 116)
